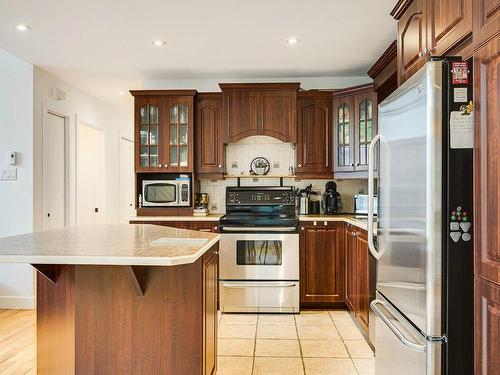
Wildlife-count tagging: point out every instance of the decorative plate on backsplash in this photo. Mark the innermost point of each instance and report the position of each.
(260, 166)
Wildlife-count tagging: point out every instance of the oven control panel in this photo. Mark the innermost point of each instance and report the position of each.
(259, 196)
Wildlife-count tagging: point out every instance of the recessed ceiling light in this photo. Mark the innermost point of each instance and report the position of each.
(23, 28)
(292, 40)
(159, 43)
(121, 92)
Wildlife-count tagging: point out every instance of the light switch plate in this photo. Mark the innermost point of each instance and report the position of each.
(8, 174)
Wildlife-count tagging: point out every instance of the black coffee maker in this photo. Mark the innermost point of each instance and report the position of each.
(332, 202)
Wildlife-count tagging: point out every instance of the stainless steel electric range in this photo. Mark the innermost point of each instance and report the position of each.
(259, 251)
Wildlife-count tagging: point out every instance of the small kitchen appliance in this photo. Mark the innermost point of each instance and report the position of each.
(166, 193)
(361, 204)
(304, 196)
(332, 202)
(259, 251)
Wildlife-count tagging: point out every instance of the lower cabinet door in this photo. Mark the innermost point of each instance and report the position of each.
(487, 327)
(210, 281)
(321, 263)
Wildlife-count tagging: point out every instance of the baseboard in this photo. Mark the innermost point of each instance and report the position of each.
(7, 302)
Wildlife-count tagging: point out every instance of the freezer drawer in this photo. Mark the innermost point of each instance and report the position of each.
(399, 347)
(259, 296)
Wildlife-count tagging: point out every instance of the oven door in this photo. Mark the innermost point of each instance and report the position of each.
(252, 256)
(160, 194)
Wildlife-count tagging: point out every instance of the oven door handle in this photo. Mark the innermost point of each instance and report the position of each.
(258, 284)
(258, 229)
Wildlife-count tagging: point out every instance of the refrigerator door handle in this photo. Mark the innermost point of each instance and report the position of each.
(400, 335)
(371, 246)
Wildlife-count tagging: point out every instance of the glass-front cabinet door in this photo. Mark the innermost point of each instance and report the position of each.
(179, 134)
(344, 134)
(150, 133)
(366, 128)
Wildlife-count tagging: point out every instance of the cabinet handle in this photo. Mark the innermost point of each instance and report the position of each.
(358, 164)
(325, 223)
(301, 228)
(299, 165)
(420, 54)
(315, 223)
(425, 50)
(159, 165)
(166, 165)
(216, 228)
(352, 165)
(220, 166)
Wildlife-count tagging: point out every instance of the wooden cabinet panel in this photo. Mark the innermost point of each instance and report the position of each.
(351, 272)
(321, 263)
(449, 23)
(278, 114)
(314, 141)
(487, 327)
(259, 109)
(210, 290)
(412, 38)
(487, 160)
(486, 20)
(241, 117)
(384, 73)
(208, 134)
(363, 282)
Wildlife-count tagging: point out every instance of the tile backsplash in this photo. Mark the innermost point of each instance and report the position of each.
(281, 156)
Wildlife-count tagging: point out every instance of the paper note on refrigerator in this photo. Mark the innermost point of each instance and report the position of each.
(461, 130)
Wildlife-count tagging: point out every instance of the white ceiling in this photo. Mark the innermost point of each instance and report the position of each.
(105, 46)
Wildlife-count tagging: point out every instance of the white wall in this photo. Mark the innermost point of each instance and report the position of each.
(80, 107)
(212, 84)
(16, 197)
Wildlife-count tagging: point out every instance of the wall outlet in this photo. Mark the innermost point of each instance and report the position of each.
(213, 206)
(8, 174)
(276, 164)
(234, 164)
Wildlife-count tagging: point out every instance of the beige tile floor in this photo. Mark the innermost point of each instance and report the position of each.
(311, 343)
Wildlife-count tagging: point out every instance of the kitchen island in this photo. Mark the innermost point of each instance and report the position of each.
(122, 299)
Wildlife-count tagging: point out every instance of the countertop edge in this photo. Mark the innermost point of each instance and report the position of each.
(133, 219)
(111, 261)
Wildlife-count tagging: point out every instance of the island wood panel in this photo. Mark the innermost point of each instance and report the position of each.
(91, 321)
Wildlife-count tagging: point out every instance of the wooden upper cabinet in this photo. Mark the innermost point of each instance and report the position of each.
(355, 125)
(164, 130)
(314, 138)
(487, 160)
(486, 20)
(321, 263)
(278, 114)
(449, 23)
(209, 148)
(259, 109)
(412, 37)
(384, 73)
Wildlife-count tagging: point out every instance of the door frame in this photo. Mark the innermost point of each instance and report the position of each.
(131, 140)
(101, 190)
(49, 110)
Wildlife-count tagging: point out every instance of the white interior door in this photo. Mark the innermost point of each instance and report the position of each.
(89, 178)
(54, 171)
(127, 195)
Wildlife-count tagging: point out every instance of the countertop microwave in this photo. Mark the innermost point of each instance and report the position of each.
(166, 193)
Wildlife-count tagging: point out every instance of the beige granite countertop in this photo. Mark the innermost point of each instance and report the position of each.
(120, 244)
(211, 217)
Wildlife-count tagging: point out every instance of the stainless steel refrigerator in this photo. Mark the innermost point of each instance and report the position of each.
(421, 166)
